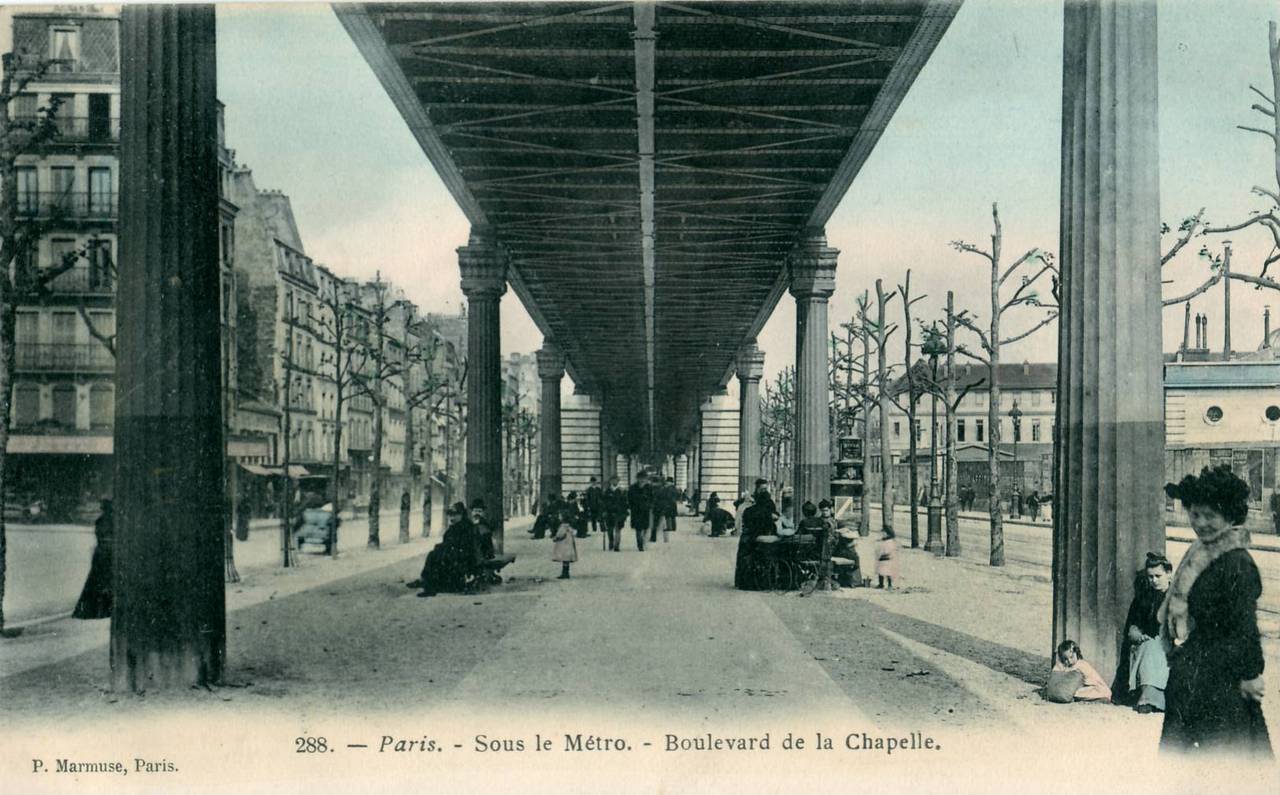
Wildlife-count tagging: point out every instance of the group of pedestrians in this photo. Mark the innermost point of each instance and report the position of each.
(1191, 645)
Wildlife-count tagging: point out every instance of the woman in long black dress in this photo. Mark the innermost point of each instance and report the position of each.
(95, 599)
(1209, 617)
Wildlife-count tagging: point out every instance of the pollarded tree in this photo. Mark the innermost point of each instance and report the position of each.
(991, 341)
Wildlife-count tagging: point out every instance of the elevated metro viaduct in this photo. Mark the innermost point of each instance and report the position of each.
(649, 179)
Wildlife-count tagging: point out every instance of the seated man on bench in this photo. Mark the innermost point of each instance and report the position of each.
(488, 564)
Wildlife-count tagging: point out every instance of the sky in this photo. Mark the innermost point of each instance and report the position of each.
(979, 126)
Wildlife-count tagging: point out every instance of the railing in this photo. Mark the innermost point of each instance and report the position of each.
(67, 204)
(90, 129)
(81, 279)
(71, 357)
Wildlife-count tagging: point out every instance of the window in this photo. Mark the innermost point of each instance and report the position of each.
(1272, 413)
(28, 190)
(27, 330)
(101, 406)
(100, 191)
(25, 106)
(1213, 415)
(978, 428)
(897, 430)
(1035, 430)
(64, 47)
(100, 265)
(1035, 398)
(980, 398)
(26, 405)
(919, 432)
(100, 117)
(64, 327)
(959, 430)
(64, 405)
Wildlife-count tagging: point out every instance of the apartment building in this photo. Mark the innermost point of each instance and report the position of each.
(63, 400)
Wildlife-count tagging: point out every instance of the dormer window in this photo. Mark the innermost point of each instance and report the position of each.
(64, 48)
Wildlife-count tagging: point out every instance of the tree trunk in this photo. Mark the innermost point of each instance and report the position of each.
(886, 454)
(864, 525)
(993, 409)
(7, 347)
(375, 483)
(953, 514)
(335, 487)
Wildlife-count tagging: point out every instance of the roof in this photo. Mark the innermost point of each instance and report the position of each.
(1012, 376)
(1239, 373)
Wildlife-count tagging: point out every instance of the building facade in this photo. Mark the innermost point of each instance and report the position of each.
(63, 398)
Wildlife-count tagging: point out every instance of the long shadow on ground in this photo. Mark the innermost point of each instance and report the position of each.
(884, 679)
(363, 642)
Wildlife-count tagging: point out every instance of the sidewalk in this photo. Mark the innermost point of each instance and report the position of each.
(54, 639)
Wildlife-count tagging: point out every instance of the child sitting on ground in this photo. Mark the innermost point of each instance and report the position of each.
(1073, 678)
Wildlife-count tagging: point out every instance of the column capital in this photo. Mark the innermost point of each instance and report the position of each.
(483, 264)
(750, 363)
(812, 266)
(550, 362)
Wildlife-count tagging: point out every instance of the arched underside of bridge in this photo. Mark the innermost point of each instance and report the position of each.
(647, 168)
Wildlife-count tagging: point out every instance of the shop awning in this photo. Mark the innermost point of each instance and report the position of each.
(295, 471)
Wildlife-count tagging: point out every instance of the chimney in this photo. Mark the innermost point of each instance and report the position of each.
(1206, 331)
(1266, 326)
(1026, 367)
(1186, 326)
(1199, 333)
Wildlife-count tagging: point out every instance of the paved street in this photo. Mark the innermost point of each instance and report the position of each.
(1029, 550)
(635, 646)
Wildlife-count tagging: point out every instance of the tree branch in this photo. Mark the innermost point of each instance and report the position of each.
(1182, 299)
(1009, 341)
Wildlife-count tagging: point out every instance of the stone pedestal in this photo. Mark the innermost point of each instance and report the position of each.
(484, 279)
(550, 371)
(750, 370)
(1109, 506)
(168, 626)
(813, 280)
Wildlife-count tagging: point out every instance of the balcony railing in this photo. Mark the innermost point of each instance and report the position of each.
(82, 279)
(86, 129)
(65, 357)
(67, 204)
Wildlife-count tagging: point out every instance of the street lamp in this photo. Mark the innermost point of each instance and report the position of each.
(1015, 414)
(933, 347)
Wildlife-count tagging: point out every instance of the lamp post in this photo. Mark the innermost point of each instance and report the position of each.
(934, 346)
(1015, 414)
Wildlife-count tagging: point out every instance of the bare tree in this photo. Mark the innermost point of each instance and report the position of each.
(383, 360)
(1267, 217)
(943, 386)
(913, 398)
(882, 331)
(426, 383)
(777, 425)
(991, 342)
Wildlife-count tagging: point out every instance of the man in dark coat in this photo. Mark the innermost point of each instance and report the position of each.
(454, 559)
(664, 509)
(593, 505)
(640, 504)
(614, 507)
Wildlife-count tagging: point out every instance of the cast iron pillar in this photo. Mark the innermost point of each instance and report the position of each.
(1110, 421)
(168, 625)
(813, 280)
(484, 279)
(750, 370)
(550, 371)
